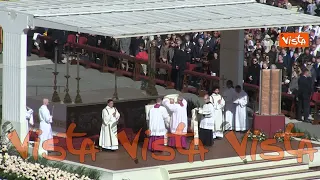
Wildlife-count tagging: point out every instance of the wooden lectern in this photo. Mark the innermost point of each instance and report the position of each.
(269, 119)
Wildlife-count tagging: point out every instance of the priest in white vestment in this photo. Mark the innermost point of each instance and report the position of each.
(108, 139)
(218, 104)
(241, 115)
(229, 95)
(29, 118)
(206, 122)
(157, 118)
(179, 119)
(45, 127)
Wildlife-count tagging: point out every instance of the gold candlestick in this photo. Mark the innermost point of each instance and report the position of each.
(78, 97)
(55, 95)
(67, 98)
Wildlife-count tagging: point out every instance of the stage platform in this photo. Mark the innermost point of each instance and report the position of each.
(121, 160)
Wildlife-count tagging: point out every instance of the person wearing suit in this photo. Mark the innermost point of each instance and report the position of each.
(210, 43)
(316, 72)
(198, 55)
(304, 94)
(92, 41)
(313, 36)
(178, 67)
(60, 38)
(189, 47)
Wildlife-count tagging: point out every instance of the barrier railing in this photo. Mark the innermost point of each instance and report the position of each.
(110, 61)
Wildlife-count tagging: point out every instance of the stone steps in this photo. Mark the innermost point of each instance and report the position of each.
(234, 168)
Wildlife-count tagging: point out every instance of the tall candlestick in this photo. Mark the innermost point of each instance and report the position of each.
(55, 95)
(78, 66)
(55, 59)
(67, 65)
(78, 97)
(67, 98)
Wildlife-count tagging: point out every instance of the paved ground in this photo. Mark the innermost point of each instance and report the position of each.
(120, 159)
(40, 82)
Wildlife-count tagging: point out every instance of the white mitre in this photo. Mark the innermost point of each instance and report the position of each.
(172, 96)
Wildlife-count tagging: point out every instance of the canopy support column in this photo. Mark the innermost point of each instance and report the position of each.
(231, 57)
(14, 78)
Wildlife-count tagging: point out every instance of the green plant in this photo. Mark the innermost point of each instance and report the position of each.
(281, 135)
(256, 135)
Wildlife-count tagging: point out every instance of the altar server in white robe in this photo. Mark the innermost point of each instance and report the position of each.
(108, 135)
(45, 127)
(218, 106)
(207, 122)
(241, 115)
(179, 119)
(158, 116)
(229, 95)
(29, 118)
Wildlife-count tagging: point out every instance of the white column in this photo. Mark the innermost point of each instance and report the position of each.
(14, 77)
(231, 57)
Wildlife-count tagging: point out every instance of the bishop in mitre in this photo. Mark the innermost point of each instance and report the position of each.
(206, 122)
(29, 118)
(229, 95)
(45, 126)
(179, 118)
(158, 115)
(241, 115)
(108, 139)
(218, 106)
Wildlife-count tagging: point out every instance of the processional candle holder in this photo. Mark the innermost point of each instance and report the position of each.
(115, 94)
(78, 97)
(67, 98)
(55, 95)
(151, 87)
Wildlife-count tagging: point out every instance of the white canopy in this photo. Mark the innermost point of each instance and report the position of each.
(130, 18)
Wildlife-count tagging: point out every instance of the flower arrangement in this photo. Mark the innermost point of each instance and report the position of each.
(256, 135)
(281, 135)
(14, 167)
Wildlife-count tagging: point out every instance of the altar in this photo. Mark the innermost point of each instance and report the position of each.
(87, 115)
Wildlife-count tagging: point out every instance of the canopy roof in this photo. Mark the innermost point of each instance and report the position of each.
(130, 18)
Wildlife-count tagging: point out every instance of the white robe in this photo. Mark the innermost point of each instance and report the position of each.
(207, 120)
(45, 127)
(108, 134)
(179, 115)
(241, 115)
(219, 122)
(158, 118)
(29, 118)
(229, 95)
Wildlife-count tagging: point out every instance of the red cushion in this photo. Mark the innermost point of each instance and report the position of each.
(82, 40)
(192, 67)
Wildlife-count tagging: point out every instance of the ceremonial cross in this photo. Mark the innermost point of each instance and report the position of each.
(223, 79)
